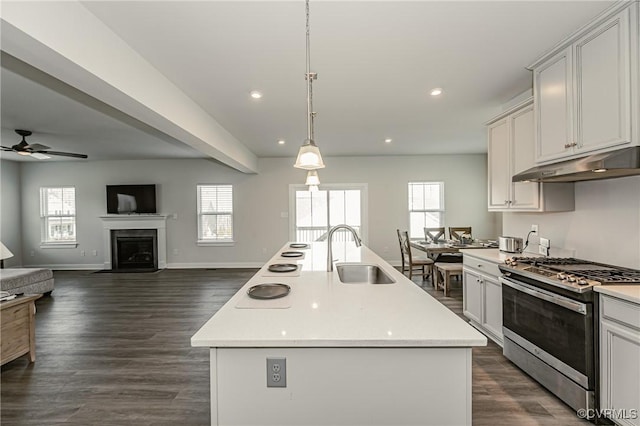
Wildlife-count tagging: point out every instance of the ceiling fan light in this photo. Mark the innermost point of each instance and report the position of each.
(312, 178)
(23, 152)
(309, 157)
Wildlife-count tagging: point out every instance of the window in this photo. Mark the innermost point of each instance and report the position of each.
(426, 207)
(215, 214)
(58, 215)
(316, 212)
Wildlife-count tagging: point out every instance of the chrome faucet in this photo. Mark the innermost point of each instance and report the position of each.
(329, 249)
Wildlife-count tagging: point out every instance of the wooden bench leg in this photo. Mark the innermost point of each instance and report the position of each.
(447, 279)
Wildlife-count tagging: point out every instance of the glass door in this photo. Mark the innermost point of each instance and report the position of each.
(314, 213)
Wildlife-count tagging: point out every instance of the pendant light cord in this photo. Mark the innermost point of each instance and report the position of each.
(309, 76)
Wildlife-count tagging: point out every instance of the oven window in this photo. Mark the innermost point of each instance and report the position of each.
(563, 333)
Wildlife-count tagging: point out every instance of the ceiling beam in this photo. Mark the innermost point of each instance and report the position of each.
(68, 42)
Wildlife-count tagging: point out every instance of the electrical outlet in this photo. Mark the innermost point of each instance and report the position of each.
(82, 253)
(534, 228)
(276, 372)
(175, 251)
(32, 253)
(544, 246)
(94, 252)
(385, 249)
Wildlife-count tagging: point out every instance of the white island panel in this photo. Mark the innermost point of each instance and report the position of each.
(345, 386)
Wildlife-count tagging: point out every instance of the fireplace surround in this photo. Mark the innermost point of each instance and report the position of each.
(137, 222)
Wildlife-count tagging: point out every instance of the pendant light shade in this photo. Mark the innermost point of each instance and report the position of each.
(312, 178)
(309, 157)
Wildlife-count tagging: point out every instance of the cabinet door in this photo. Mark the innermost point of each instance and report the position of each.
(499, 168)
(524, 195)
(620, 369)
(553, 99)
(472, 296)
(603, 86)
(492, 320)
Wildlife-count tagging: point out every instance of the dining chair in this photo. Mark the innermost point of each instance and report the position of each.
(456, 233)
(411, 262)
(434, 234)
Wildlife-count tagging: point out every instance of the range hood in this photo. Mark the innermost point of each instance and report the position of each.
(619, 163)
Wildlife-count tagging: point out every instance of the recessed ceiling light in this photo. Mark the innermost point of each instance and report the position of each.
(280, 141)
(255, 94)
(388, 140)
(436, 92)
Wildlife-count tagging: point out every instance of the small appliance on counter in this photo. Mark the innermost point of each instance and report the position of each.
(510, 244)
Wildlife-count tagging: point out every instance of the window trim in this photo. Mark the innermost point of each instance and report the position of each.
(202, 242)
(364, 205)
(442, 209)
(62, 244)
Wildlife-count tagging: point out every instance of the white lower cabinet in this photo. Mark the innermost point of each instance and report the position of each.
(620, 360)
(482, 296)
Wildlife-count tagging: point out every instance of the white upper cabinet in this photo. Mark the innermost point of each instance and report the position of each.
(511, 146)
(586, 89)
(553, 93)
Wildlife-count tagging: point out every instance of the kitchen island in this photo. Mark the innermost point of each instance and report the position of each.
(356, 353)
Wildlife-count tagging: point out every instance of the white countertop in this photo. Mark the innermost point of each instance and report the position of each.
(494, 255)
(630, 293)
(321, 311)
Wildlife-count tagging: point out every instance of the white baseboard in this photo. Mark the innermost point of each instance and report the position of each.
(203, 265)
(215, 265)
(69, 266)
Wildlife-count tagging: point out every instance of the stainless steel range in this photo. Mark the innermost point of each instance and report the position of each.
(550, 322)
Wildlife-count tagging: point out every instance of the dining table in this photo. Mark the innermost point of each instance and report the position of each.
(434, 249)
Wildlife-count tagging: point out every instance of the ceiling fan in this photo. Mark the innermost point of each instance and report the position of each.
(36, 150)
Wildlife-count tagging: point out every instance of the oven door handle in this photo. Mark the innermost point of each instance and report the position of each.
(565, 302)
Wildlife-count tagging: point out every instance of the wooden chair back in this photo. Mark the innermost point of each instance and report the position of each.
(406, 247)
(434, 234)
(456, 233)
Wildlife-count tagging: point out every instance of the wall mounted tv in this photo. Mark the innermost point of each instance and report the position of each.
(131, 199)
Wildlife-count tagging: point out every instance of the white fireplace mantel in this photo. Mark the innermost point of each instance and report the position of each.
(135, 221)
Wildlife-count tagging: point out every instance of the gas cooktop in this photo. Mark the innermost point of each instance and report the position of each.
(574, 274)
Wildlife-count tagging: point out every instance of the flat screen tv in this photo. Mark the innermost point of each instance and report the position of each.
(131, 199)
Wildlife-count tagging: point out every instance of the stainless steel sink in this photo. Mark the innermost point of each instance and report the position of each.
(358, 273)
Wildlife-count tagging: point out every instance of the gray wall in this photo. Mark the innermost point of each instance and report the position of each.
(10, 215)
(259, 201)
(605, 226)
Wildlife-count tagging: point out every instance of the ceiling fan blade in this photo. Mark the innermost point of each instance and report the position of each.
(6, 148)
(40, 156)
(36, 147)
(63, 154)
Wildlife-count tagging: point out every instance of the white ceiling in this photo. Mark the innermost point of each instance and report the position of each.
(376, 62)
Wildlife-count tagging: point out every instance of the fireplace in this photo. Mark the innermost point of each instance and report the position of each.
(155, 223)
(134, 249)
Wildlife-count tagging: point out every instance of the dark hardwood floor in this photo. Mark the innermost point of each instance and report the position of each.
(113, 349)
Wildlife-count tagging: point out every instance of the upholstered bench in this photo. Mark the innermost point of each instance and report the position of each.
(26, 280)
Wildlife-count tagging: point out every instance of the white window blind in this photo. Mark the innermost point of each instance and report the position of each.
(215, 213)
(58, 214)
(426, 207)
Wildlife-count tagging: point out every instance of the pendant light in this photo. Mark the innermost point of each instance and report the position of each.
(309, 157)
(312, 178)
